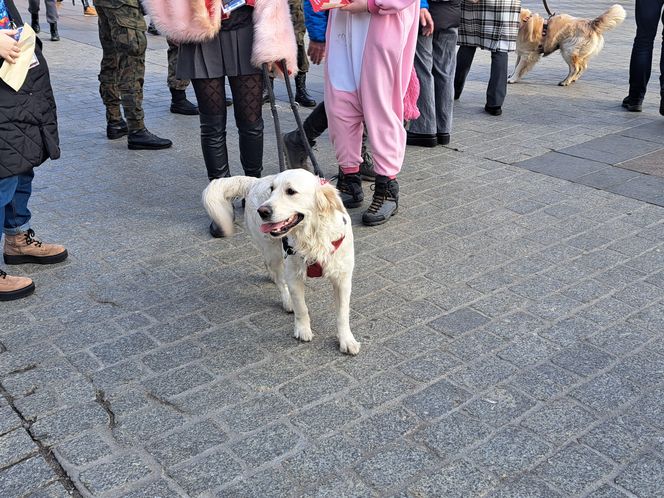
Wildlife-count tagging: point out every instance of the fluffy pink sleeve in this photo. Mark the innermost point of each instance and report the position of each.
(385, 7)
(274, 38)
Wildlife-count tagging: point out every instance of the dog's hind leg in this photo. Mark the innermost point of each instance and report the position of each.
(513, 78)
(295, 278)
(342, 286)
(572, 62)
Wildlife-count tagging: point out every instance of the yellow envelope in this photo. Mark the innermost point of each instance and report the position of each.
(14, 74)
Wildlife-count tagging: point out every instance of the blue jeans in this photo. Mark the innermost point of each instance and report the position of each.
(648, 14)
(14, 195)
(435, 60)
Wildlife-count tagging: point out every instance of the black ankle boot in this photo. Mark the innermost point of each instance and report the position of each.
(55, 36)
(296, 153)
(35, 23)
(385, 202)
(251, 147)
(301, 96)
(213, 144)
(350, 189)
(144, 140)
(180, 104)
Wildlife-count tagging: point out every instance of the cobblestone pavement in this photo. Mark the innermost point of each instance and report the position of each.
(511, 321)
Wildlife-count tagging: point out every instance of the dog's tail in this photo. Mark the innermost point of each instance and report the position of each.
(613, 16)
(218, 197)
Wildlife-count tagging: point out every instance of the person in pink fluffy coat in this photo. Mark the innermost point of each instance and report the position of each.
(215, 45)
(370, 53)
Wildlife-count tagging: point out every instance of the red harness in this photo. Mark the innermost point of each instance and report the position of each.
(314, 270)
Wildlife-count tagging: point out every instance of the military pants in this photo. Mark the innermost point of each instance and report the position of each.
(51, 10)
(297, 17)
(172, 54)
(122, 36)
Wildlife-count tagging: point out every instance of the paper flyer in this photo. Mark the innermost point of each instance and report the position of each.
(319, 5)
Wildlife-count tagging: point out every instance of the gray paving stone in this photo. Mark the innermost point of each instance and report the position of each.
(644, 368)
(271, 483)
(16, 446)
(53, 490)
(650, 407)
(606, 491)
(460, 479)
(620, 338)
(185, 326)
(328, 456)
(429, 366)
(347, 486)
(115, 473)
(206, 473)
(436, 400)
(417, 340)
(544, 381)
(381, 429)
(123, 348)
(157, 489)
(582, 359)
(186, 443)
(326, 417)
(147, 424)
(499, 406)
(54, 428)
(375, 358)
(484, 372)
(452, 434)
(643, 476)
(574, 468)
(266, 445)
(178, 381)
(561, 165)
(474, 344)
(381, 389)
(25, 476)
(528, 351)
(558, 421)
(173, 356)
(9, 420)
(84, 449)
(511, 450)
(458, 322)
(524, 487)
(606, 392)
(395, 466)
(568, 332)
(256, 412)
(211, 397)
(116, 375)
(619, 437)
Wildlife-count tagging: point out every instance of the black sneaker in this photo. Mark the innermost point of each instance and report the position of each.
(494, 110)
(144, 140)
(350, 189)
(421, 139)
(115, 130)
(184, 107)
(443, 138)
(632, 105)
(385, 202)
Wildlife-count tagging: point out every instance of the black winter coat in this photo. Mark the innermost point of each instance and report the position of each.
(28, 120)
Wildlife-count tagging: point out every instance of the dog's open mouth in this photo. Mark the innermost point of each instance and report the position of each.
(282, 227)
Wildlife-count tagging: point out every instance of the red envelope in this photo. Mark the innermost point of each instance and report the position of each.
(319, 5)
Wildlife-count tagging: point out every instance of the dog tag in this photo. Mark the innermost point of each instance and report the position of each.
(315, 270)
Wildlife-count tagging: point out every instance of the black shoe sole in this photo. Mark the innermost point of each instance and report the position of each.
(443, 139)
(307, 103)
(148, 147)
(422, 140)
(35, 260)
(352, 204)
(17, 294)
(632, 107)
(494, 111)
(379, 222)
(116, 134)
(187, 112)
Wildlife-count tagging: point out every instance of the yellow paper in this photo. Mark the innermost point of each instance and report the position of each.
(14, 74)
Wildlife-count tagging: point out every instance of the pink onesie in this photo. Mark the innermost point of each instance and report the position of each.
(369, 62)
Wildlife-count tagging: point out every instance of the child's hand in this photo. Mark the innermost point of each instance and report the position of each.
(356, 6)
(426, 22)
(316, 51)
(9, 49)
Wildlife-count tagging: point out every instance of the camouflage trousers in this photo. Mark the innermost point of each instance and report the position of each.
(172, 54)
(123, 41)
(297, 17)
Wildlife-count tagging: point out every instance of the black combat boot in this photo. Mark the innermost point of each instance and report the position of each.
(144, 140)
(180, 104)
(350, 189)
(215, 153)
(301, 96)
(251, 147)
(385, 202)
(116, 129)
(55, 36)
(35, 23)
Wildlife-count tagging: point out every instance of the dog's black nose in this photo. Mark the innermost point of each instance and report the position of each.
(265, 212)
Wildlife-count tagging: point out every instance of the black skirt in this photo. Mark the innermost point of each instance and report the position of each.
(227, 54)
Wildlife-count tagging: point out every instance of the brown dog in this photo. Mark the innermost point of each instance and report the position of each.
(577, 39)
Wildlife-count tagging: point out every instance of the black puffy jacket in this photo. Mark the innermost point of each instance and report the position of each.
(28, 121)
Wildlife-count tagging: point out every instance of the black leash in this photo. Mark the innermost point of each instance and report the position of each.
(298, 120)
(546, 7)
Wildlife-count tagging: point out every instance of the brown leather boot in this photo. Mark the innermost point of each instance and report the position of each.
(14, 287)
(25, 248)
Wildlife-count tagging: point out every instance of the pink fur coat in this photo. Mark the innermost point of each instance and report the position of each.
(200, 20)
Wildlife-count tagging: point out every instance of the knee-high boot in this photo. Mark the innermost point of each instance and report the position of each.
(213, 143)
(251, 147)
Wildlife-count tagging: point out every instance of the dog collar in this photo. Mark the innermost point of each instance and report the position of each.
(314, 270)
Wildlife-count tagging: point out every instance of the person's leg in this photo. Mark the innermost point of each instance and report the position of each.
(422, 131)
(647, 14)
(108, 85)
(444, 63)
(177, 87)
(211, 96)
(497, 88)
(52, 18)
(248, 109)
(314, 125)
(33, 8)
(661, 68)
(302, 96)
(465, 56)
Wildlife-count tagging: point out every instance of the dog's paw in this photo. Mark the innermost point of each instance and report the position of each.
(512, 81)
(303, 333)
(349, 346)
(563, 83)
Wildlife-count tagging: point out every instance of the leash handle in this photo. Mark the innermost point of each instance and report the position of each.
(298, 120)
(275, 116)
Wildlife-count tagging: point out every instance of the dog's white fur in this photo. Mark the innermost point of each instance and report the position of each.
(577, 39)
(324, 220)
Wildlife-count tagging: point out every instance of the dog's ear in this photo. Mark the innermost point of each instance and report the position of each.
(327, 199)
(524, 15)
(533, 29)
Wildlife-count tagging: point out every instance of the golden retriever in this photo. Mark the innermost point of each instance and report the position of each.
(297, 206)
(577, 39)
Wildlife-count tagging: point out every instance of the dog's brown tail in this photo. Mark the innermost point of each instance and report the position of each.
(613, 16)
(218, 197)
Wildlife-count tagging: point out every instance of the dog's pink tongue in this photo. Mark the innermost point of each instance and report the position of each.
(269, 227)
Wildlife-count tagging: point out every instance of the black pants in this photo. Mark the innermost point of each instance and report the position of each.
(497, 89)
(648, 14)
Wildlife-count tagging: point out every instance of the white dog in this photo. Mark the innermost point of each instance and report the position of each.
(297, 208)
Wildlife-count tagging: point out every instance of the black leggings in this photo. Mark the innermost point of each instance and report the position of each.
(247, 97)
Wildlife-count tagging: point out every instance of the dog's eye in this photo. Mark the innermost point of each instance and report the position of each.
(271, 188)
(290, 191)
